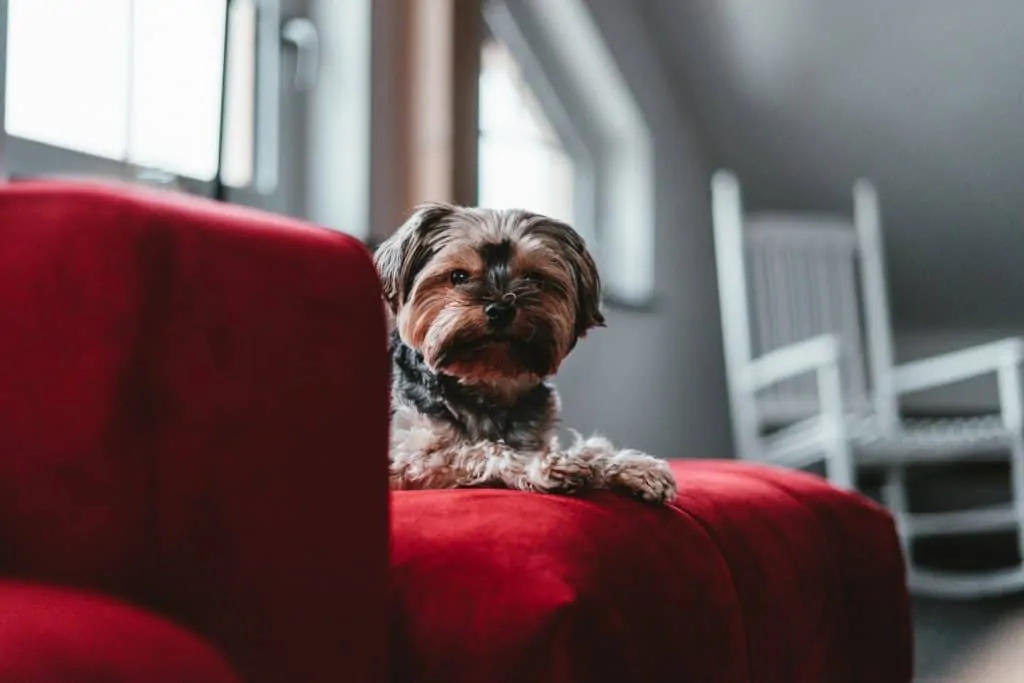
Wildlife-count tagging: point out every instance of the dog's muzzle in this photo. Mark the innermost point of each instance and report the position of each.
(501, 313)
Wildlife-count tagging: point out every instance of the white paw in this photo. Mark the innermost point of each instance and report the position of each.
(642, 476)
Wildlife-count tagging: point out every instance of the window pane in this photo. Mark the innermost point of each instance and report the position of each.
(506, 102)
(177, 67)
(517, 175)
(522, 164)
(132, 80)
(67, 73)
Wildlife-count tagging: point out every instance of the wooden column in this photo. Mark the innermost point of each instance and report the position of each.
(426, 70)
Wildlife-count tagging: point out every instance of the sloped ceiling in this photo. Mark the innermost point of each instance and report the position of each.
(926, 97)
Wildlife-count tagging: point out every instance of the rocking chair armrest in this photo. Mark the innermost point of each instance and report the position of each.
(956, 366)
(794, 360)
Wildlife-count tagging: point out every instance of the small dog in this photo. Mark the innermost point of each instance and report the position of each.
(486, 305)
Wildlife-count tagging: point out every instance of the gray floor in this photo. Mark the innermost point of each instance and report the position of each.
(945, 630)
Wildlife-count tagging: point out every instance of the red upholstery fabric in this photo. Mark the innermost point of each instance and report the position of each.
(755, 575)
(51, 635)
(193, 418)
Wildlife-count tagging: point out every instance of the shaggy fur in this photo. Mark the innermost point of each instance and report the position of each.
(486, 306)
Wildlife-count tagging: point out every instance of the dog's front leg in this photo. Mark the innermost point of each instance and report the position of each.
(555, 471)
(625, 471)
(487, 464)
(496, 464)
(589, 464)
(640, 475)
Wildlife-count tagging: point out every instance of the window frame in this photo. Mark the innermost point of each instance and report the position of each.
(611, 146)
(316, 140)
(3, 90)
(25, 159)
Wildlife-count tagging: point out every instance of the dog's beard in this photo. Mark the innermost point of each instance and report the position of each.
(459, 343)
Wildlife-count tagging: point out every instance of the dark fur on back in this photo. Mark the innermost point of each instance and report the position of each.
(524, 423)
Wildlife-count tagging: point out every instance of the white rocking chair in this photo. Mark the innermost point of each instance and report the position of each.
(796, 363)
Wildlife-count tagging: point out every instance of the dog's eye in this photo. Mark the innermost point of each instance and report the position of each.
(533, 277)
(459, 276)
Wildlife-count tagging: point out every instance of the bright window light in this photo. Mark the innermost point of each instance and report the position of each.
(67, 73)
(132, 80)
(522, 163)
(177, 65)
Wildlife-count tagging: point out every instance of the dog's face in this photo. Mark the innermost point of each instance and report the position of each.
(489, 295)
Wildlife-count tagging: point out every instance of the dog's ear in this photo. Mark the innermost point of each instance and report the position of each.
(579, 260)
(588, 288)
(402, 255)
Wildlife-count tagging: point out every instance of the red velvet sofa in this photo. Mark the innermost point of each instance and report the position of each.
(193, 482)
(193, 488)
(754, 575)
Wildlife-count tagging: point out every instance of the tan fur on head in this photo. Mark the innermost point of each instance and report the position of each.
(540, 265)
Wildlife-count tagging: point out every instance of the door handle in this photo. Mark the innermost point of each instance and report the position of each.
(300, 33)
(272, 37)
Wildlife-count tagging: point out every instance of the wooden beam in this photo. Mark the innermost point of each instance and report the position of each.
(468, 21)
(426, 71)
(390, 91)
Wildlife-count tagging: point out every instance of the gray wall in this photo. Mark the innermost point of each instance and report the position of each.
(800, 97)
(925, 96)
(655, 380)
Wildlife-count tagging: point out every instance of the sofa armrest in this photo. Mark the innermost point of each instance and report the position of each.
(279, 345)
(203, 392)
(51, 634)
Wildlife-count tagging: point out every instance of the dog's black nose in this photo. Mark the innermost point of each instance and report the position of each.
(499, 314)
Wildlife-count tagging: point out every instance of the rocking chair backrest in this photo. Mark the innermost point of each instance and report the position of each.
(786, 277)
(801, 275)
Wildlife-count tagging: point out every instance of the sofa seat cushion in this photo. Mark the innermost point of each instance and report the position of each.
(56, 635)
(754, 574)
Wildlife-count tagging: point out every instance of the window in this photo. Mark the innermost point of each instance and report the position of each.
(522, 163)
(111, 78)
(562, 55)
(67, 81)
